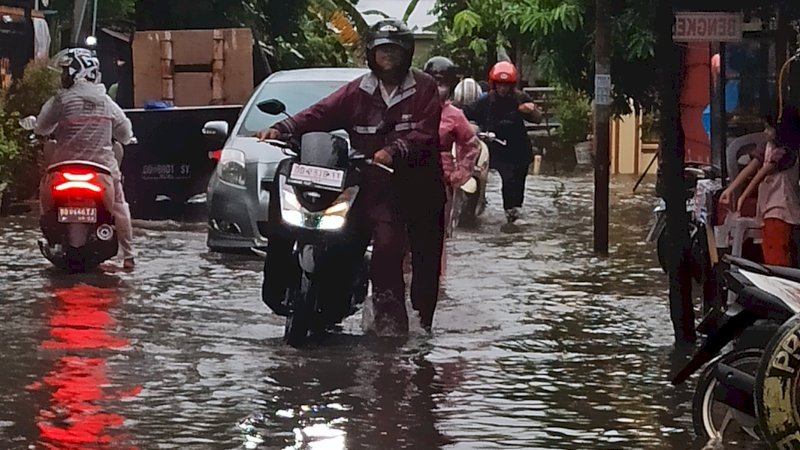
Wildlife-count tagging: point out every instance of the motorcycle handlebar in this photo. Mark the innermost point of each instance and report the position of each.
(489, 136)
(359, 157)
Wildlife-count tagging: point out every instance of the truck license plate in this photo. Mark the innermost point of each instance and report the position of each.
(77, 215)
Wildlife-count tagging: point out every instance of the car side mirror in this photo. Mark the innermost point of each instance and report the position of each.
(272, 107)
(217, 129)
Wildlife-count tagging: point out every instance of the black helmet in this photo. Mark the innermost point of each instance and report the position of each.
(389, 31)
(444, 70)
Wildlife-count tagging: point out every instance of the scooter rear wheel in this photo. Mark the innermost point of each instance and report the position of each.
(714, 420)
(75, 260)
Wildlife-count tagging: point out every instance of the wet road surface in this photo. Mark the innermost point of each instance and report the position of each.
(537, 345)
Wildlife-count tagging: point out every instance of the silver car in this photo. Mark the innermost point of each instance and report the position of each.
(238, 192)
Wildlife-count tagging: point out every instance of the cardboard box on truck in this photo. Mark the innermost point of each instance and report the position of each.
(193, 67)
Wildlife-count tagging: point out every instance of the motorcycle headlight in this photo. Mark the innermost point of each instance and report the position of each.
(331, 223)
(232, 168)
(333, 218)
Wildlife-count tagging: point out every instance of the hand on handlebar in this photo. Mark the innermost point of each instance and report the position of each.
(268, 134)
(383, 157)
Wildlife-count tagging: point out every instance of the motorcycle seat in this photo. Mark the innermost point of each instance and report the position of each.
(78, 163)
(787, 273)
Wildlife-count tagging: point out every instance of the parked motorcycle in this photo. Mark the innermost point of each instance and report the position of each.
(747, 389)
(316, 187)
(77, 222)
(699, 208)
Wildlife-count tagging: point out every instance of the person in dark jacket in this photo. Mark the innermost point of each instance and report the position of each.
(392, 116)
(504, 111)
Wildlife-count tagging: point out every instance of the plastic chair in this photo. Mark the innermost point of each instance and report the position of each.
(736, 229)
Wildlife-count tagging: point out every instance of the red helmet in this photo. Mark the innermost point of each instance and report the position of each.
(503, 72)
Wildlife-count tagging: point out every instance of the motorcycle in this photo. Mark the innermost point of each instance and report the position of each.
(746, 392)
(470, 199)
(77, 222)
(700, 180)
(316, 187)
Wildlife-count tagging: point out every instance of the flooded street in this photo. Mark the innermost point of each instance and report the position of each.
(537, 345)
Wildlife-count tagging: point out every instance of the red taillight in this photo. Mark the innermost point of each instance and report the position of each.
(86, 181)
(215, 155)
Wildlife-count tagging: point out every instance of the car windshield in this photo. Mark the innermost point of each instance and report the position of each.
(296, 95)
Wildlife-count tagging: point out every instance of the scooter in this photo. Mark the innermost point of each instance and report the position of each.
(470, 198)
(747, 388)
(315, 189)
(77, 222)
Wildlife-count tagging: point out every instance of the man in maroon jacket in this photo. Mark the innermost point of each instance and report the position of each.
(392, 115)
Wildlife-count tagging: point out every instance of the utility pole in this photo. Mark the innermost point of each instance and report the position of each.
(602, 115)
(670, 81)
(78, 13)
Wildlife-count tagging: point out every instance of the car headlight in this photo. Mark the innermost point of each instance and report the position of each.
(232, 168)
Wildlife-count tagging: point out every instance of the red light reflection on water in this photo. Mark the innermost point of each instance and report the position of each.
(77, 416)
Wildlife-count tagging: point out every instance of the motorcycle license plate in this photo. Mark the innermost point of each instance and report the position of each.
(320, 177)
(77, 215)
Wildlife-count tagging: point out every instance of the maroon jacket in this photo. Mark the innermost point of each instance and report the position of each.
(408, 128)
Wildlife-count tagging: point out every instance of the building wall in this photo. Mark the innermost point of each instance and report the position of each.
(629, 155)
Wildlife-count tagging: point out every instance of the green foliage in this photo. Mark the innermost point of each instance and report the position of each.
(559, 35)
(19, 161)
(107, 10)
(10, 135)
(573, 110)
(313, 45)
(27, 95)
(651, 123)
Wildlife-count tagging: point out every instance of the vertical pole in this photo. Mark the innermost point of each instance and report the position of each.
(602, 114)
(78, 13)
(670, 59)
(94, 19)
(167, 69)
(218, 68)
(718, 114)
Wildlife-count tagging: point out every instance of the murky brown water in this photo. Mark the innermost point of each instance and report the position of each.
(537, 345)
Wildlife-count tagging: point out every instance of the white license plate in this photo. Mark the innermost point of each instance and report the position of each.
(166, 172)
(77, 215)
(322, 177)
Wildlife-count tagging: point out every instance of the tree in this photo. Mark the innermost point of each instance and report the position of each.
(559, 35)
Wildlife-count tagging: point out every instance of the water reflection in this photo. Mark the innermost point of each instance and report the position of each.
(538, 346)
(368, 395)
(79, 413)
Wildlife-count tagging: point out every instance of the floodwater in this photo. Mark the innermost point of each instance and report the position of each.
(537, 345)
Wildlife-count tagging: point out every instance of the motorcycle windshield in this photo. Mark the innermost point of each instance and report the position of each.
(324, 150)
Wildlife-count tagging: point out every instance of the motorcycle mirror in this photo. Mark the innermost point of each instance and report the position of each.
(272, 107)
(28, 123)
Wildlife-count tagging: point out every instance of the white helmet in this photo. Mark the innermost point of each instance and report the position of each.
(82, 63)
(466, 93)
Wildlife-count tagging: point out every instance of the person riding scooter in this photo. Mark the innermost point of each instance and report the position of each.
(504, 111)
(85, 120)
(392, 116)
(454, 131)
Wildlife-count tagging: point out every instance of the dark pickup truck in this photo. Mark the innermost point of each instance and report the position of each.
(169, 167)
